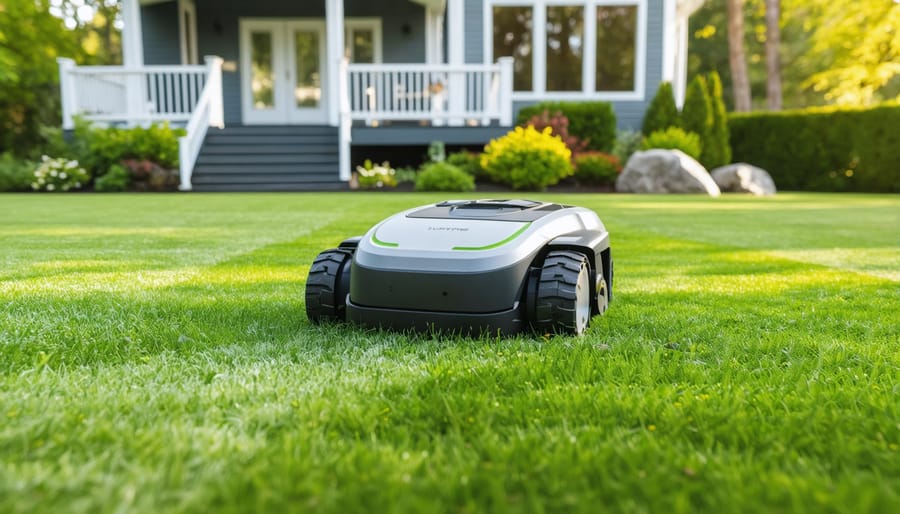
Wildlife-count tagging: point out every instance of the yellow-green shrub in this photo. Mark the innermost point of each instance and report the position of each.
(526, 158)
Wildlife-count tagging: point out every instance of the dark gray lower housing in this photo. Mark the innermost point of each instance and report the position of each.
(469, 266)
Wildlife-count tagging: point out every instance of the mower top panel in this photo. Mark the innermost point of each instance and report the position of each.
(500, 210)
(465, 236)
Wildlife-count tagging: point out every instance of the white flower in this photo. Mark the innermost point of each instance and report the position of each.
(71, 164)
(53, 173)
(63, 175)
(35, 186)
(45, 158)
(78, 184)
(50, 187)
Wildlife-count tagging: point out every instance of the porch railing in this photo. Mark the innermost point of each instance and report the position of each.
(131, 95)
(190, 95)
(442, 93)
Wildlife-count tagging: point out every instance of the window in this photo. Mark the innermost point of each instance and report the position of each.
(363, 40)
(512, 38)
(616, 35)
(565, 42)
(571, 48)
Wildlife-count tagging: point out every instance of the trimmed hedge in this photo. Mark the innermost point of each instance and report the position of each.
(823, 149)
(593, 121)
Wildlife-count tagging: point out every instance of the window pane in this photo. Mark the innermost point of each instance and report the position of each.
(262, 81)
(512, 38)
(616, 34)
(363, 50)
(308, 89)
(565, 36)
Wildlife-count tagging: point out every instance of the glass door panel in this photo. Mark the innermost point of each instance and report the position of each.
(262, 72)
(307, 84)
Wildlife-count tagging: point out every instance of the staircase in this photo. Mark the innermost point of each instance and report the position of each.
(269, 158)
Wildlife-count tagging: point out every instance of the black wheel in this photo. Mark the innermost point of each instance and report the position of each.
(327, 286)
(563, 298)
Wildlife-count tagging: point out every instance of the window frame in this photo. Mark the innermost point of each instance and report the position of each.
(589, 52)
(374, 24)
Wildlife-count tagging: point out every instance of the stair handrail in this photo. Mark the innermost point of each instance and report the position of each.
(208, 112)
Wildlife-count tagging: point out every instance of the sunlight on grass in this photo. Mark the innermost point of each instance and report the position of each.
(156, 357)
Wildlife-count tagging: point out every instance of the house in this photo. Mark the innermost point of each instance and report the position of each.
(291, 88)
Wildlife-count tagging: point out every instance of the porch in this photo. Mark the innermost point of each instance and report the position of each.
(297, 70)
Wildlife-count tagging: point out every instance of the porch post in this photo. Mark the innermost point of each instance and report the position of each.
(67, 91)
(334, 29)
(456, 57)
(133, 59)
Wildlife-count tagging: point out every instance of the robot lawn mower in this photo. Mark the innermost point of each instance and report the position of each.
(469, 266)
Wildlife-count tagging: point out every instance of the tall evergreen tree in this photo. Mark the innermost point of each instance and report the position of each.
(696, 115)
(662, 112)
(717, 150)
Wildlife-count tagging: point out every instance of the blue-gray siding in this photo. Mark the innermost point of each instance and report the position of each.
(403, 38)
(159, 30)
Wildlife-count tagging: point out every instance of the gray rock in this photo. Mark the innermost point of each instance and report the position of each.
(744, 178)
(665, 171)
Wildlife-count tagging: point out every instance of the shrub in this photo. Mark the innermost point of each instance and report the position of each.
(597, 168)
(116, 179)
(674, 138)
(405, 175)
(372, 176)
(559, 126)
(58, 174)
(696, 115)
(443, 176)
(828, 149)
(662, 112)
(15, 174)
(470, 162)
(716, 149)
(594, 122)
(627, 142)
(99, 148)
(527, 159)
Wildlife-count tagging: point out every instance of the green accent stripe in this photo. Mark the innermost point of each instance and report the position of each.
(379, 242)
(514, 235)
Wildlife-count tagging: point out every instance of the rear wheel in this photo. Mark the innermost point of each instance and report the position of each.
(327, 286)
(563, 297)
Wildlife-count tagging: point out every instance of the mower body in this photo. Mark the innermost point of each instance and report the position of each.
(475, 265)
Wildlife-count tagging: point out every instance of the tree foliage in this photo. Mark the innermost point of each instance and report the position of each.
(662, 112)
(30, 41)
(832, 51)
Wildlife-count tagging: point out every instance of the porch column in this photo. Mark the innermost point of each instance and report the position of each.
(456, 45)
(334, 29)
(133, 59)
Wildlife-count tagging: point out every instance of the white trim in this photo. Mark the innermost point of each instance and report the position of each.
(334, 44)
(434, 36)
(190, 8)
(371, 23)
(132, 40)
(669, 49)
(539, 40)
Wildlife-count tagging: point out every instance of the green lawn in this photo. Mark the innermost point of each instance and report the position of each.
(155, 357)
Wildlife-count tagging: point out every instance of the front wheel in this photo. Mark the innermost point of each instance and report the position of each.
(327, 286)
(563, 297)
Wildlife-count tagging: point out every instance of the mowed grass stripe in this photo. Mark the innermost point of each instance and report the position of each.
(724, 378)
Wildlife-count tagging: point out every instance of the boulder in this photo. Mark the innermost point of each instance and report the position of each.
(744, 178)
(665, 171)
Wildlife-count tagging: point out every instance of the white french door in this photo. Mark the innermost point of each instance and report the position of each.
(283, 71)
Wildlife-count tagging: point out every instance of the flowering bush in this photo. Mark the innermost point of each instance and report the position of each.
(597, 168)
(559, 126)
(58, 175)
(373, 176)
(527, 159)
